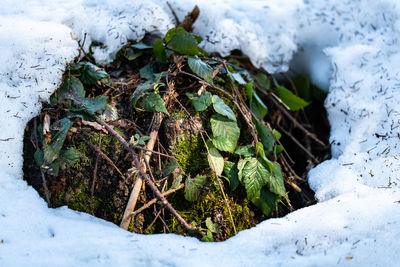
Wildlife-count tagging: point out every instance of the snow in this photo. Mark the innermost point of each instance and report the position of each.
(348, 47)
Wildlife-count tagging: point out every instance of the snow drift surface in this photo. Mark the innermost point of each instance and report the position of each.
(350, 46)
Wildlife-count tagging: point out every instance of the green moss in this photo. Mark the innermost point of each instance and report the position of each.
(191, 154)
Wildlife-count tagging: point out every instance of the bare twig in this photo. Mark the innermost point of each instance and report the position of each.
(100, 153)
(299, 144)
(133, 197)
(94, 178)
(294, 121)
(138, 166)
(46, 190)
(154, 200)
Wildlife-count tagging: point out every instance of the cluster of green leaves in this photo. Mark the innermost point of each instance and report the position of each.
(253, 167)
(72, 95)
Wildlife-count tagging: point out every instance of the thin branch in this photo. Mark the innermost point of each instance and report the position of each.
(144, 175)
(133, 197)
(294, 121)
(101, 153)
(94, 178)
(299, 144)
(154, 200)
(46, 190)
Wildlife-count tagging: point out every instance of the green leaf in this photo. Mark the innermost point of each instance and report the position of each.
(231, 172)
(90, 105)
(213, 227)
(215, 160)
(152, 102)
(168, 36)
(53, 168)
(225, 133)
(246, 151)
(302, 84)
(90, 73)
(71, 156)
(262, 81)
(147, 72)
(265, 201)
(59, 133)
(276, 184)
(257, 106)
(221, 108)
(182, 42)
(38, 157)
(278, 150)
(266, 136)
(207, 237)
(71, 88)
(236, 77)
(291, 100)
(140, 90)
(202, 102)
(277, 134)
(262, 157)
(254, 176)
(201, 69)
(194, 187)
(159, 51)
(110, 113)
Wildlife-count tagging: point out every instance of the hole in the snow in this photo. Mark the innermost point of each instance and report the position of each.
(226, 144)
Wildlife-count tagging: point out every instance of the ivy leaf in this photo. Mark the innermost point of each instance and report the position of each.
(88, 105)
(225, 133)
(159, 51)
(70, 89)
(254, 176)
(215, 160)
(139, 92)
(59, 133)
(231, 172)
(265, 201)
(266, 136)
(38, 157)
(131, 55)
(147, 72)
(201, 69)
(202, 102)
(257, 106)
(194, 187)
(70, 156)
(221, 108)
(182, 42)
(152, 102)
(246, 151)
(291, 100)
(90, 73)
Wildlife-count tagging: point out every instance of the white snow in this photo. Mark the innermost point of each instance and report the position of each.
(350, 47)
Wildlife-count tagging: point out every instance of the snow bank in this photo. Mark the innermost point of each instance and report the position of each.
(352, 46)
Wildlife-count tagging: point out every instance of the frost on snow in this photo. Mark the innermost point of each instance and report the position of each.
(350, 47)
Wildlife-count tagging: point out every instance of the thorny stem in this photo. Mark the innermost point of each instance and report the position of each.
(138, 166)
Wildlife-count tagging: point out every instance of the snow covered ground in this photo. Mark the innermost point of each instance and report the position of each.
(348, 46)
